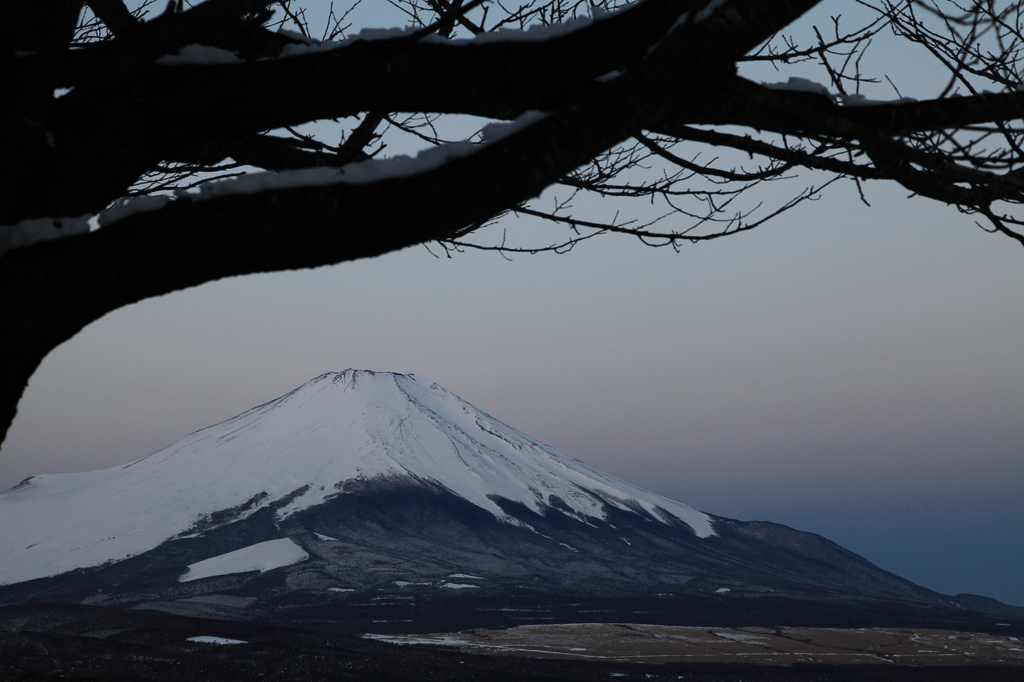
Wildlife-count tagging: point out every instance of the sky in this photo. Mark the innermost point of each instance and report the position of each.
(852, 371)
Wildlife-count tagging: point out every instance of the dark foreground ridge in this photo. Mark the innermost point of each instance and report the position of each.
(77, 642)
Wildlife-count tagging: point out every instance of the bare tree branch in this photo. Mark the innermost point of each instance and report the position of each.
(640, 104)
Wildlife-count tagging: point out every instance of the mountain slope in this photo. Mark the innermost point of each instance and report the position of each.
(383, 500)
(326, 437)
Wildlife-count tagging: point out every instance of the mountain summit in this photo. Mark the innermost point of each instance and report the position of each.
(377, 498)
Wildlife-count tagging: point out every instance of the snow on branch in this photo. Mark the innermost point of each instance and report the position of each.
(359, 173)
(32, 231)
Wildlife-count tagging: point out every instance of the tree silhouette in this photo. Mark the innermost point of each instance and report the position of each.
(111, 119)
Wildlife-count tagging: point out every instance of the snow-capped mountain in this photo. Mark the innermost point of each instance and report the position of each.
(296, 452)
(361, 491)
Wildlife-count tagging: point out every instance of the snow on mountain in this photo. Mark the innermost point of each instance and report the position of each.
(296, 452)
(263, 556)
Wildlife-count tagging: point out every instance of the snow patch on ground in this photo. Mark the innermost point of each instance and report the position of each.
(442, 640)
(460, 586)
(261, 557)
(741, 637)
(204, 639)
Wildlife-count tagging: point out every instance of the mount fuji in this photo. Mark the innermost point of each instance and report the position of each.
(377, 501)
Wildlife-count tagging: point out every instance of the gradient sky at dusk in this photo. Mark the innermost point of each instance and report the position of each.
(856, 372)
